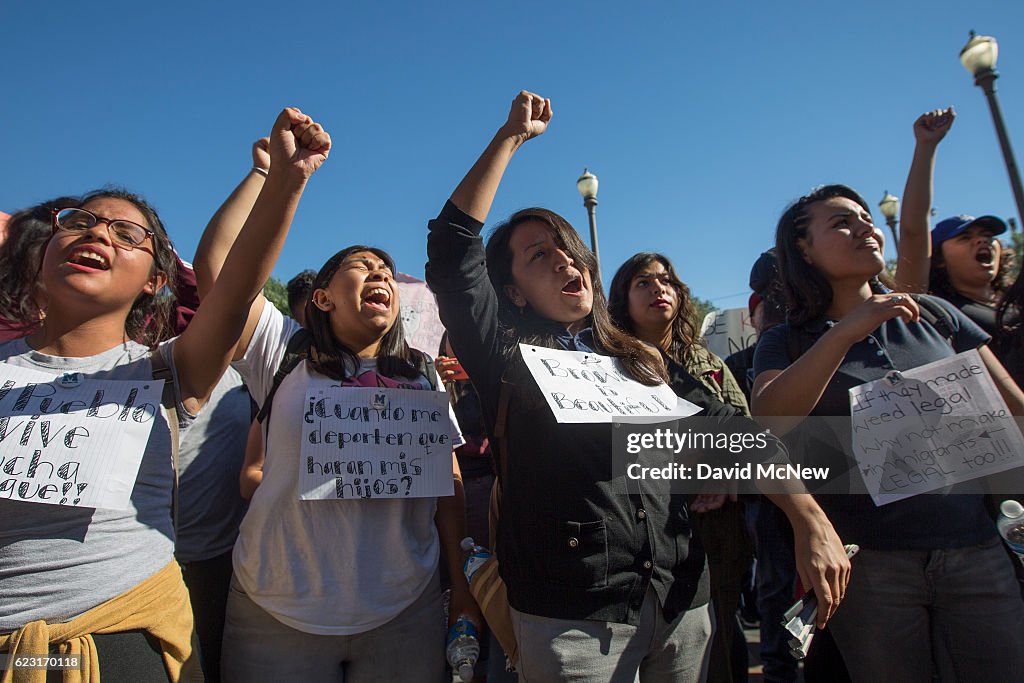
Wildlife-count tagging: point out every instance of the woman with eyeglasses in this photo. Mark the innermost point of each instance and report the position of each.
(931, 590)
(102, 583)
(602, 586)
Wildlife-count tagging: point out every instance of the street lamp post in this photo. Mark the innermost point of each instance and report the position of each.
(587, 185)
(890, 208)
(979, 57)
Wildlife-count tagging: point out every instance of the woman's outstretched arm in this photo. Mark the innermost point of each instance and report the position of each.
(227, 317)
(914, 250)
(456, 268)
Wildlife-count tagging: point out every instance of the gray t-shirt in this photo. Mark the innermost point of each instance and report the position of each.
(57, 562)
(210, 506)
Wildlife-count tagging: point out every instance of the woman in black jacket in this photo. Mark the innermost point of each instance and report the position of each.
(602, 584)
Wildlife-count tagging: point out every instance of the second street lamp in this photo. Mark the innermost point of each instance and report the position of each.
(979, 57)
(587, 185)
(890, 208)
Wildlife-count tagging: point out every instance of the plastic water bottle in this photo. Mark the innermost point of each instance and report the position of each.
(1011, 526)
(476, 556)
(463, 650)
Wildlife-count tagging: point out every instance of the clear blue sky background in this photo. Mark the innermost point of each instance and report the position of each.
(702, 120)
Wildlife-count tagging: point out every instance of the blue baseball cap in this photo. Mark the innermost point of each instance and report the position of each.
(951, 227)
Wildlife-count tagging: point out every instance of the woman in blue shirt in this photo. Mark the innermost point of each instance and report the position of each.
(931, 588)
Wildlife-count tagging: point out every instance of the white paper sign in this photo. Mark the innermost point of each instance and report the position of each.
(73, 440)
(586, 387)
(360, 442)
(420, 319)
(931, 427)
(727, 332)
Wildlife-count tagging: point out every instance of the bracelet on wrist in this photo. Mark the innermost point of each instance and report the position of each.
(262, 171)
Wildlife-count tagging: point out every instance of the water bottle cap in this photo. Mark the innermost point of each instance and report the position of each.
(467, 544)
(1011, 509)
(466, 672)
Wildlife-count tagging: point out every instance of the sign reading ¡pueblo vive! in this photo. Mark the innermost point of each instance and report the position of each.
(586, 387)
(931, 427)
(73, 441)
(361, 442)
(727, 332)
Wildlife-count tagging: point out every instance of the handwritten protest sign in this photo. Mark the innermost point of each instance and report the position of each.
(727, 332)
(931, 427)
(360, 442)
(586, 387)
(420, 319)
(74, 440)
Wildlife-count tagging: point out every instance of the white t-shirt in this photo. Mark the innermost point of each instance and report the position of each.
(329, 567)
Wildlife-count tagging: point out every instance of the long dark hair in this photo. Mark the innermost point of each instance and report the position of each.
(939, 283)
(685, 335)
(527, 326)
(151, 318)
(1008, 341)
(28, 231)
(328, 356)
(808, 292)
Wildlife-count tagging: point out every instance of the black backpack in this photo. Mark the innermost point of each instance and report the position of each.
(298, 349)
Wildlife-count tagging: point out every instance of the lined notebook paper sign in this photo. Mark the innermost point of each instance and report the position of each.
(72, 440)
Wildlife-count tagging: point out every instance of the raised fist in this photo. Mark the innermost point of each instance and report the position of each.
(932, 126)
(261, 154)
(298, 145)
(528, 117)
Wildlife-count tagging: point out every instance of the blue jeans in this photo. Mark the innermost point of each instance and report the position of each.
(910, 613)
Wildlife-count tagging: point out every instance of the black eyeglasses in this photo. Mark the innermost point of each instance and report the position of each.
(124, 234)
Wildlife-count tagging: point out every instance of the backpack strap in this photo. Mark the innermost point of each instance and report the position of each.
(425, 366)
(936, 316)
(296, 350)
(169, 400)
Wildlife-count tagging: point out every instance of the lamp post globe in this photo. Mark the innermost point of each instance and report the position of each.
(890, 208)
(587, 186)
(979, 57)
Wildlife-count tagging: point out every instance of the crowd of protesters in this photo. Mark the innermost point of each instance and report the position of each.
(219, 569)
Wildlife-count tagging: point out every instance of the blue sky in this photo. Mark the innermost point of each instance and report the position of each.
(702, 120)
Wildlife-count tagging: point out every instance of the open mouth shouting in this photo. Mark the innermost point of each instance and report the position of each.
(378, 299)
(573, 287)
(88, 260)
(985, 256)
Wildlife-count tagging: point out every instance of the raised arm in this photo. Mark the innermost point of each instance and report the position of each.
(456, 268)
(914, 251)
(227, 222)
(527, 119)
(224, 324)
